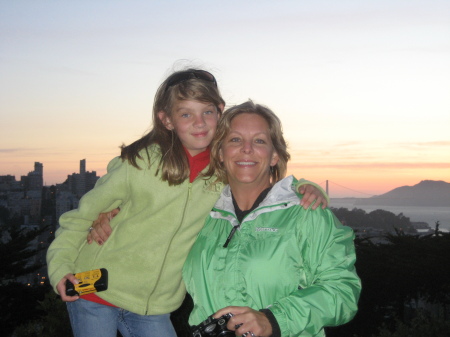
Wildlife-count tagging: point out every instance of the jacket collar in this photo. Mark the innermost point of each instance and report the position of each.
(281, 195)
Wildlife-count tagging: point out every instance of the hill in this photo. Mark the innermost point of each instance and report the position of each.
(426, 193)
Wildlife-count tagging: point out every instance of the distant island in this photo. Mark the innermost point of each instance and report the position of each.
(424, 194)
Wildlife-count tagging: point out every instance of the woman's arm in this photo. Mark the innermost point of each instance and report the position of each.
(330, 298)
(100, 229)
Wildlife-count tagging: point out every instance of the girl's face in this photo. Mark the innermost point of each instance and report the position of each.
(247, 151)
(194, 122)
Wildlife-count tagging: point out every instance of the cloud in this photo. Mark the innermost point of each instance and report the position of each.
(420, 165)
(442, 143)
(9, 150)
(27, 152)
(354, 152)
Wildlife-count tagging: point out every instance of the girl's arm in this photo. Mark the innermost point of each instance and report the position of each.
(313, 194)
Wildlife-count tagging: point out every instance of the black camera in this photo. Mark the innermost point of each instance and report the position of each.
(213, 327)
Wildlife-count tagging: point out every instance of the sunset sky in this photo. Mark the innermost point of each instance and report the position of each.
(362, 87)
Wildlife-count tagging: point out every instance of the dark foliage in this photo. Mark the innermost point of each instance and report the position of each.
(420, 326)
(380, 219)
(16, 253)
(52, 320)
(408, 269)
(19, 301)
(19, 305)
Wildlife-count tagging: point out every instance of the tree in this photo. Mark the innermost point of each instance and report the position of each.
(420, 326)
(18, 300)
(397, 277)
(380, 219)
(16, 254)
(52, 322)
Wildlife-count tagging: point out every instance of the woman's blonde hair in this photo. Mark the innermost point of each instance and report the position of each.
(192, 84)
(278, 171)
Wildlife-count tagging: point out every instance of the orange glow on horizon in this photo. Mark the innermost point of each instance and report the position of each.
(350, 180)
(363, 183)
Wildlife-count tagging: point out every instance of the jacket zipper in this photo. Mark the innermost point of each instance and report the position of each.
(170, 244)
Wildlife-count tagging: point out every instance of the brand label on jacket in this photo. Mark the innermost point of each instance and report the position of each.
(266, 229)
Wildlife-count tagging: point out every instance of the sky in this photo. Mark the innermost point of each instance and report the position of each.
(362, 87)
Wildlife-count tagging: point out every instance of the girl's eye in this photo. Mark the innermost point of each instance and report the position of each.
(209, 112)
(184, 115)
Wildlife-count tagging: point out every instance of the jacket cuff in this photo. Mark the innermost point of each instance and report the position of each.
(276, 332)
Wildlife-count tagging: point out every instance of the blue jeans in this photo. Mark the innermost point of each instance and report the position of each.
(92, 319)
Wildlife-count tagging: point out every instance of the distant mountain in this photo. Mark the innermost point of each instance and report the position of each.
(425, 193)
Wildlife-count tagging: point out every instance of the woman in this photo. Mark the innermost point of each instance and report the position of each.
(279, 269)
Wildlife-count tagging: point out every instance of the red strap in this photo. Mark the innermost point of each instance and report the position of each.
(94, 298)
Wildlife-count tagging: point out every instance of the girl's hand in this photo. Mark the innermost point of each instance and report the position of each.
(247, 321)
(101, 228)
(61, 287)
(312, 195)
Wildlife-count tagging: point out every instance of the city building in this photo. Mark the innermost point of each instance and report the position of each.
(80, 183)
(33, 206)
(24, 197)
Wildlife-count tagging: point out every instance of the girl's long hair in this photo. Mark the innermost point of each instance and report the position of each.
(174, 165)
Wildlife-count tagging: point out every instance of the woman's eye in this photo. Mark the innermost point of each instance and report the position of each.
(260, 141)
(184, 115)
(234, 139)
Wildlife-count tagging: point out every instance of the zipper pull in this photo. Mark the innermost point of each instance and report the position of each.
(230, 236)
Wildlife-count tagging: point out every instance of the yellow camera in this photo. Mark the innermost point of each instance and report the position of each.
(89, 282)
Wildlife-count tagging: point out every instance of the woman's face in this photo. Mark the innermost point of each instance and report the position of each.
(247, 151)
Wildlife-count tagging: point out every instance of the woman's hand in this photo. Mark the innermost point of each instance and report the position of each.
(101, 228)
(312, 195)
(246, 320)
(61, 287)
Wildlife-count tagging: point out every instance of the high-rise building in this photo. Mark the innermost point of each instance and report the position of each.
(36, 177)
(24, 197)
(9, 183)
(80, 183)
(34, 181)
(82, 166)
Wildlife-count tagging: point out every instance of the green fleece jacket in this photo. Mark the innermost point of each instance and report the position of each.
(151, 236)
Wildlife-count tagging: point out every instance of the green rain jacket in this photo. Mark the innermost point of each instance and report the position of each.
(297, 263)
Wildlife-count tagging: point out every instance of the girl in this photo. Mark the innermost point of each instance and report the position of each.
(163, 204)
